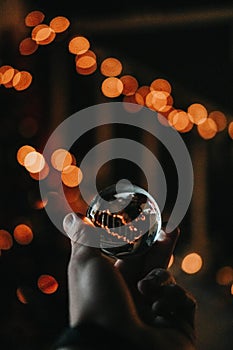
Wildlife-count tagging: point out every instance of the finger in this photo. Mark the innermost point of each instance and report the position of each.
(151, 284)
(81, 230)
(158, 255)
(176, 303)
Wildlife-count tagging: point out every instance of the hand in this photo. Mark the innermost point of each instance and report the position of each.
(123, 295)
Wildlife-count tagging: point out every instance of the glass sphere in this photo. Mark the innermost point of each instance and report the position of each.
(129, 216)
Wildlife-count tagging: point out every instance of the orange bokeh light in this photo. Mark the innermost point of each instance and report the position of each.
(59, 24)
(27, 46)
(220, 119)
(224, 275)
(112, 87)
(197, 113)
(42, 174)
(22, 80)
(192, 263)
(111, 67)
(34, 18)
(79, 45)
(86, 60)
(130, 85)
(47, 284)
(208, 129)
(21, 296)
(160, 84)
(44, 34)
(6, 240)
(61, 158)
(23, 234)
(71, 176)
(34, 162)
(141, 93)
(230, 130)
(22, 152)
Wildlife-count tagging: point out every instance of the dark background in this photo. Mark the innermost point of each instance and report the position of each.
(189, 43)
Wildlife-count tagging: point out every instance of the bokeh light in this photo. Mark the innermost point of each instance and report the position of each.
(61, 158)
(59, 24)
(28, 46)
(112, 87)
(21, 296)
(23, 234)
(160, 84)
(34, 18)
(22, 80)
(197, 113)
(207, 129)
(111, 67)
(34, 162)
(230, 129)
(71, 176)
(130, 85)
(22, 152)
(220, 119)
(224, 276)
(79, 45)
(47, 284)
(6, 240)
(192, 263)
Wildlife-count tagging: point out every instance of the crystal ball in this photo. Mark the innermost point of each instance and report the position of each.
(129, 216)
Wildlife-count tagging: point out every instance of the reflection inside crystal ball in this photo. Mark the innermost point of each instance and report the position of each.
(129, 216)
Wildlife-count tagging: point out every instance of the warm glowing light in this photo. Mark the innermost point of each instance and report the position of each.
(230, 129)
(224, 276)
(23, 234)
(197, 113)
(8, 74)
(20, 295)
(61, 158)
(34, 162)
(232, 289)
(86, 71)
(79, 45)
(85, 61)
(6, 240)
(171, 261)
(42, 174)
(44, 34)
(141, 93)
(181, 120)
(47, 284)
(111, 67)
(22, 152)
(59, 24)
(112, 87)
(3, 70)
(130, 85)
(22, 80)
(208, 129)
(37, 29)
(71, 176)
(192, 263)
(34, 18)
(40, 204)
(219, 118)
(27, 46)
(161, 85)
(49, 39)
